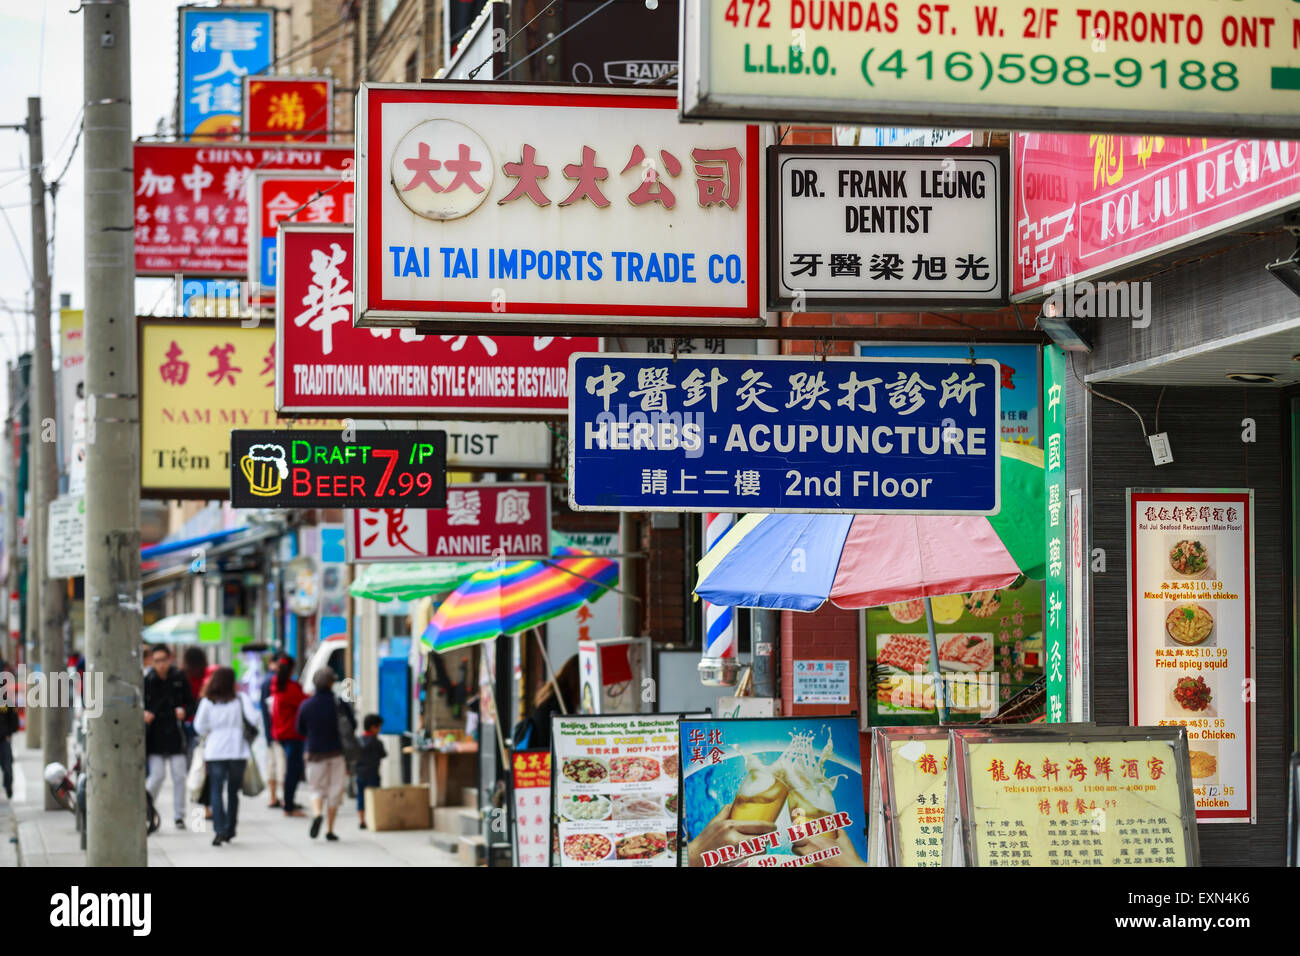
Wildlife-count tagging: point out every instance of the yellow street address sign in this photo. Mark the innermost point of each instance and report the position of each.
(1221, 67)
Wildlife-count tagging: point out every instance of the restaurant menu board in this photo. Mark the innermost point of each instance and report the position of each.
(615, 790)
(914, 790)
(530, 774)
(990, 648)
(1192, 635)
(773, 792)
(1073, 795)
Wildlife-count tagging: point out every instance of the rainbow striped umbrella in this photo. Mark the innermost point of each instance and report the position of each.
(510, 598)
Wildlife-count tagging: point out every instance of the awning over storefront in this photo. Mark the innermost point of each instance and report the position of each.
(409, 582)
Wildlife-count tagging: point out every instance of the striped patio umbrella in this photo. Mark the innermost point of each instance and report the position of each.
(510, 598)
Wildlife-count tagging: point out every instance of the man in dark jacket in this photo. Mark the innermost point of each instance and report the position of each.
(8, 727)
(167, 702)
(319, 720)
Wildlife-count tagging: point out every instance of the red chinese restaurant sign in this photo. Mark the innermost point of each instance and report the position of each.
(191, 212)
(1086, 205)
(483, 521)
(276, 196)
(288, 108)
(323, 362)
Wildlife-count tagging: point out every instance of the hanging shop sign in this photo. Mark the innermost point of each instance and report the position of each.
(66, 538)
(191, 209)
(1074, 602)
(198, 381)
(1074, 795)
(862, 229)
(1089, 205)
(629, 44)
(1081, 65)
(990, 649)
(296, 109)
(800, 776)
(490, 521)
(361, 469)
(909, 776)
(530, 807)
(614, 790)
(217, 48)
(1056, 628)
(613, 672)
(534, 203)
(1019, 389)
(1192, 635)
(324, 364)
(481, 49)
(821, 682)
(72, 398)
(276, 196)
(767, 434)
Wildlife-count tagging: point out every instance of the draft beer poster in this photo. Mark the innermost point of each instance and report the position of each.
(773, 792)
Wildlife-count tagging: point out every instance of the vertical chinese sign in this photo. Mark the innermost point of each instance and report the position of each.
(1192, 635)
(615, 790)
(531, 806)
(296, 109)
(1055, 624)
(218, 48)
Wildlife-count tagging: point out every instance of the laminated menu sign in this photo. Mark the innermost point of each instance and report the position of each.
(1071, 795)
(910, 795)
(773, 792)
(1192, 635)
(531, 806)
(615, 789)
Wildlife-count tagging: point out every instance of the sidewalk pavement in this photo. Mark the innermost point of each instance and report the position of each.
(33, 836)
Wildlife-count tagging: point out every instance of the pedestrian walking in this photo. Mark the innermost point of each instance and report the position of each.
(324, 720)
(372, 753)
(221, 720)
(168, 703)
(8, 727)
(274, 754)
(287, 697)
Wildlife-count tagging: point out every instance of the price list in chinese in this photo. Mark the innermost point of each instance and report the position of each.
(1191, 634)
(615, 790)
(531, 806)
(1075, 803)
(919, 784)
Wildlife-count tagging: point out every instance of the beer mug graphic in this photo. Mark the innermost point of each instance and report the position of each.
(265, 467)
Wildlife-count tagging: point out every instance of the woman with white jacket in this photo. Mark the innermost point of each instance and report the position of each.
(220, 721)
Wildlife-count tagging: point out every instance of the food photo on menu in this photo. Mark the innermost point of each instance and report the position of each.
(616, 793)
(773, 792)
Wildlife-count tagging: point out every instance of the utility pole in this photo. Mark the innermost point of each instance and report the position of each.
(115, 740)
(48, 613)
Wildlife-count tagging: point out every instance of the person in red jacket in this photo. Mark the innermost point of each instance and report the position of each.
(286, 697)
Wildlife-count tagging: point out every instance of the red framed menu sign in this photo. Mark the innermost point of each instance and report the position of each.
(1191, 576)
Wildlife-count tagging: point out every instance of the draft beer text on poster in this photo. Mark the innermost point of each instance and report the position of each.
(798, 779)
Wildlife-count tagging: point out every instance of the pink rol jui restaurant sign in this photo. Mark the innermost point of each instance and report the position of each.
(322, 361)
(1088, 205)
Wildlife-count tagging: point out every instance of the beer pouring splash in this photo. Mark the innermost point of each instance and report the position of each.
(797, 776)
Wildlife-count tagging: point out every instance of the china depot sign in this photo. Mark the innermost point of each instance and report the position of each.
(482, 206)
(1193, 66)
(323, 364)
(288, 108)
(880, 228)
(364, 469)
(278, 196)
(759, 434)
(481, 522)
(191, 208)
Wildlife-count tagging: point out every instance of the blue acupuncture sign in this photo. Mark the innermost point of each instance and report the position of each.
(783, 434)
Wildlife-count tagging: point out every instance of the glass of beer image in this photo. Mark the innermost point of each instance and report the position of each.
(761, 795)
(803, 770)
(264, 467)
(811, 803)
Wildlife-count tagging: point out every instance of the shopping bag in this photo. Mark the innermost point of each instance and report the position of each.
(196, 786)
(253, 783)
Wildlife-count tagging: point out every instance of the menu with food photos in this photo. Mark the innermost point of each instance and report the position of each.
(1192, 635)
(614, 787)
